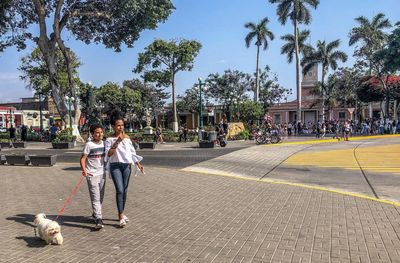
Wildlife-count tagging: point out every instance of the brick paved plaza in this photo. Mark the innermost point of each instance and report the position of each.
(184, 216)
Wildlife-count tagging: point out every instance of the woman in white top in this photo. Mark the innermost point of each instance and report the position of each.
(120, 154)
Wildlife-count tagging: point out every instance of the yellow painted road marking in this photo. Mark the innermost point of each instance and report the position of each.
(213, 172)
(384, 158)
(355, 138)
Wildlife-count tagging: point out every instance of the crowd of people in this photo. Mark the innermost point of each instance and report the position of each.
(339, 128)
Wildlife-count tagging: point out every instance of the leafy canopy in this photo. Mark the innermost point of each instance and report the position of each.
(162, 59)
(110, 22)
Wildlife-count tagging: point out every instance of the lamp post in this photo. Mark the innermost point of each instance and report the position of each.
(40, 112)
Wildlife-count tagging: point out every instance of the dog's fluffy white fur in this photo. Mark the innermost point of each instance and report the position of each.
(49, 231)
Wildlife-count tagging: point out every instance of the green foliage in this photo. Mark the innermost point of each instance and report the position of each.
(295, 10)
(65, 136)
(250, 112)
(392, 52)
(270, 90)
(163, 59)
(5, 135)
(289, 48)
(102, 21)
(260, 32)
(114, 97)
(243, 135)
(33, 136)
(229, 87)
(35, 73)
(189, 101)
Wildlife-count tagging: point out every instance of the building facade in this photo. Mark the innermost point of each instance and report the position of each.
(311, 109)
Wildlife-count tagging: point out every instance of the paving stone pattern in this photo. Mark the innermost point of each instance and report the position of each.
(251, 162)
(182, 217)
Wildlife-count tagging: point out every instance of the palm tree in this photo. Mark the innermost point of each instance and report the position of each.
(370, 34)
(328, 56)
(298, 13)
(290, 47)
(261, 33)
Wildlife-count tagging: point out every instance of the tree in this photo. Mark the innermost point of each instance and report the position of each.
(261, 33)
(270, 90)
(35, 74)
(326, 55)
(370, 35)
(229, 88)
(111, 23)
(250, 111)
(114, 97)
(289, 48)
(151, 97)
(392, 52)
(297, 11)
(348, 81)
(162, 60)
(188, 101)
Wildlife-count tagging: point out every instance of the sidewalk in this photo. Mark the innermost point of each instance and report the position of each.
(181, 216)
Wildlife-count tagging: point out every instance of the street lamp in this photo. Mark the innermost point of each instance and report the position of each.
(200, 110)
(69, 101)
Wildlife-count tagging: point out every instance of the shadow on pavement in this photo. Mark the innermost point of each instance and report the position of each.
(33, 241)
(73, 168)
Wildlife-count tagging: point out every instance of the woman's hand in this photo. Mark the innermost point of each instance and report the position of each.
(140, 167)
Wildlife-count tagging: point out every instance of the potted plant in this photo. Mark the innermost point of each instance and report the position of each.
(5, 143)
(64, 140)
(146, 142)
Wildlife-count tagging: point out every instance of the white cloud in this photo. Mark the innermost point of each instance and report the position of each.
(222, 61)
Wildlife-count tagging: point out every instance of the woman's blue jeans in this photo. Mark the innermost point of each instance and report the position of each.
(120, 173)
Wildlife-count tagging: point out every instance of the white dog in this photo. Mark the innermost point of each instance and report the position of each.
(49, 231)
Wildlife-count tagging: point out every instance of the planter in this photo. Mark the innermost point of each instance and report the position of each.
(19, 144)
(2, 159)
(45, 160)
(5, 145)
(147, 145)
(17, 159)
(206, 144)
(62, 145)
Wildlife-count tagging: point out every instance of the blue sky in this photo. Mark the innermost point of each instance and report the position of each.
(219, 26)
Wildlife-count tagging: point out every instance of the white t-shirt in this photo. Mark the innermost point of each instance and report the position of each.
(95, 153)
(124, 153)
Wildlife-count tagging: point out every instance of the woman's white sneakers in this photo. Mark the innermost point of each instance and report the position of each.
(123, 221)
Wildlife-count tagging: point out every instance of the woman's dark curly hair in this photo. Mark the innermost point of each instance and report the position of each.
(115, 116)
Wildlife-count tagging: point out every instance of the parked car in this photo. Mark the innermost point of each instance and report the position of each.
(3, 129)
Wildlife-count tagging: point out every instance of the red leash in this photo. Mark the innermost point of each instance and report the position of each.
(70, 197)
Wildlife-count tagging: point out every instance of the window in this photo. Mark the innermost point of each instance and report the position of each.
(342, 115)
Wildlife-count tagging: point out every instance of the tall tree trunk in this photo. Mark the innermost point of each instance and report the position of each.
(48, 49)
(175, 116)
(298, 84)
(257, 93)
(66, 54)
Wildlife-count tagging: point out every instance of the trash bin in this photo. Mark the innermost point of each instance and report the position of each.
(212, 136)
(204, 136)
